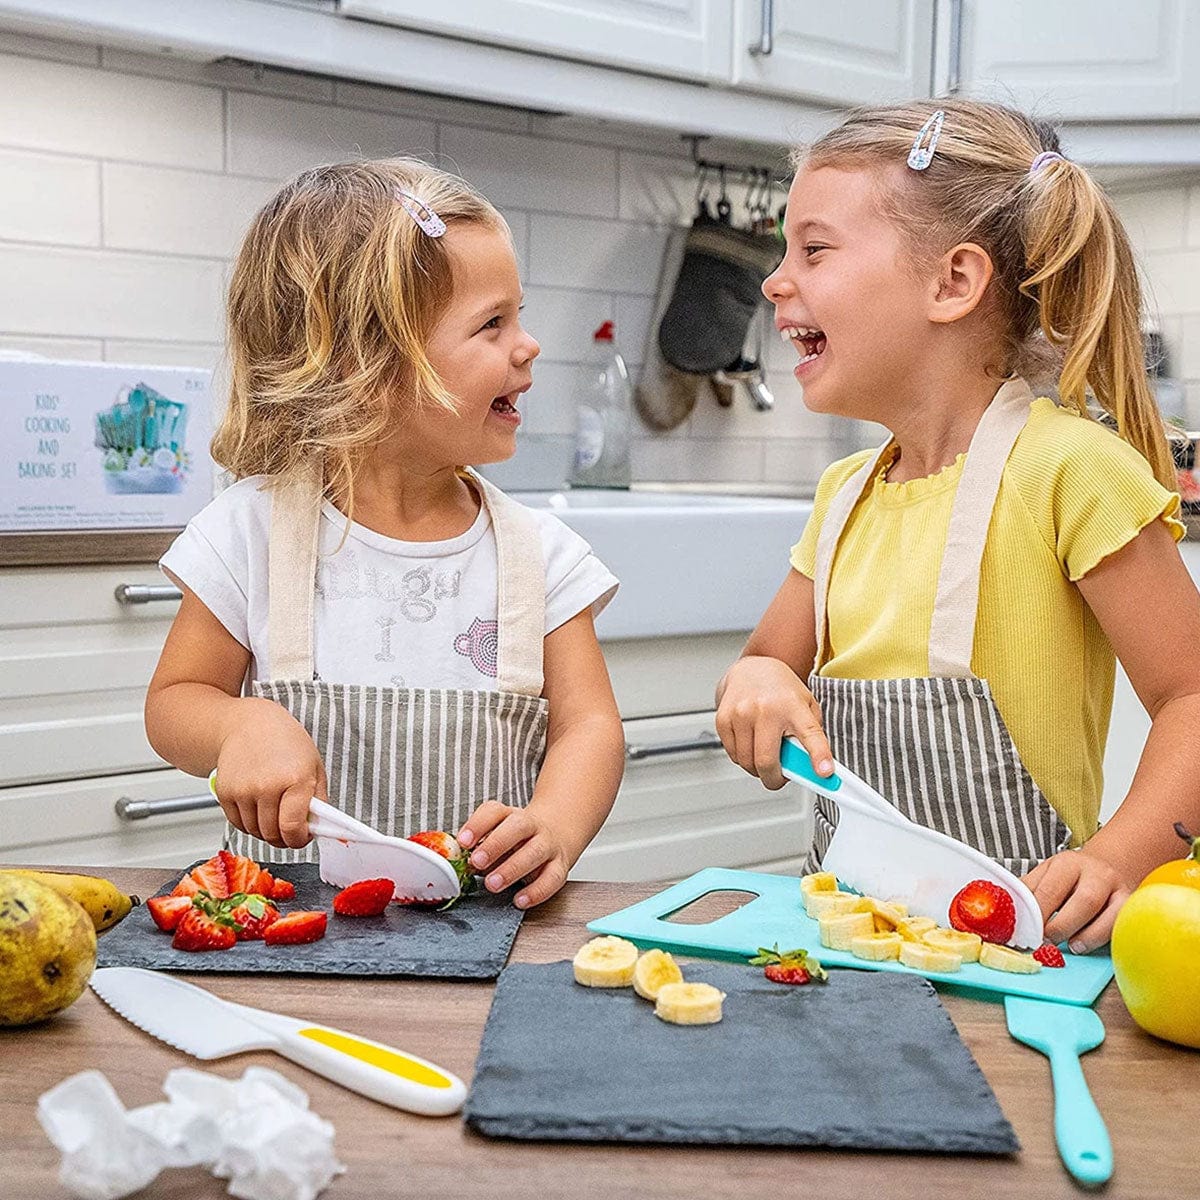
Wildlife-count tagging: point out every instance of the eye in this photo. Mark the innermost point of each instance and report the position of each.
(812, 248)
(494, 323)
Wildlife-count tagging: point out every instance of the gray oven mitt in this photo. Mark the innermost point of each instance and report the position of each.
(716, 294)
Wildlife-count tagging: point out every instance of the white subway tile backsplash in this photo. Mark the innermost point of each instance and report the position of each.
(1174, 280)
(800, 462)
(423, 106)
(634, 316)
(49, 198)
(564, 321)
(687, 459)
(81, 110)
(90, 293)
(1155, 220)
(568, 251)
(531, 172)
(548, 408)
(179, 212)
(273, 138)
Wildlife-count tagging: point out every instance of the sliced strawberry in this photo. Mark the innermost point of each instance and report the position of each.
(282, 889)
(198, 931)
(984, 908)
(210, 876)
(447, 846)
(789, 966)
(168, 911)
(187, 886)
(296, 928)
(254, 915)
(366, 898)
(245, 875)
(1050, 955)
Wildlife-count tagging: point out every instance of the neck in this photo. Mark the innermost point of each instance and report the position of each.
(411, 502)
(934, 420)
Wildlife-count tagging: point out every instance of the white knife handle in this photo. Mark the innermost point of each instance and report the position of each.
(381, 1072)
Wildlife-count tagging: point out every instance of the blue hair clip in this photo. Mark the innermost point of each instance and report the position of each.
(420, 212)
(925, 143)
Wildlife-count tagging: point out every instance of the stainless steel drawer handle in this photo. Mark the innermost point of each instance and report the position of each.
(139, 810)
(766, 36)
(145, 593)
(704, 741)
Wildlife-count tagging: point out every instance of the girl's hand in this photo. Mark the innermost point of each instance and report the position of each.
(1080, 895)
(762, 699)
(517, 843)
(268, 770)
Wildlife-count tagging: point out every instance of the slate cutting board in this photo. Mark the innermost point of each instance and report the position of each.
(869, 1061)
(469, 941)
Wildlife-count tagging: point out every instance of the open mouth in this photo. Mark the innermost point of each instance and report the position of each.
(808, 341)
(504, 406)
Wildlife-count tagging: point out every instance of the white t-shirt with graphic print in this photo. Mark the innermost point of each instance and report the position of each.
(387, 612)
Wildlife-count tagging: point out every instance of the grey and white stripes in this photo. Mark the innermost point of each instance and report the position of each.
(938, 749)
(403, 760)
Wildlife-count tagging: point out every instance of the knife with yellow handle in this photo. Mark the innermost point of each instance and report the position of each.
(204, 1026)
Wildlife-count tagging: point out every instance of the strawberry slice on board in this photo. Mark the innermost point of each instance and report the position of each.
(168, 911)
(985, 908)
(199, 931)
(208, 876)
(282, 889)
(365, 898)
(245, 875)
(295, 929)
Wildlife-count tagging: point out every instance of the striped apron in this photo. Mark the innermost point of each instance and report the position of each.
(937, 747)
(408, 759)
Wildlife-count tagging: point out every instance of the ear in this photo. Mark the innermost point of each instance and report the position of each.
(963, 275)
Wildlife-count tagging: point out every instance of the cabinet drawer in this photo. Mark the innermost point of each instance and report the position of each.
(74, 665)
(77, 822)
(681, 809)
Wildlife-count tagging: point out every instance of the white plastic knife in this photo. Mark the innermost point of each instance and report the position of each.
(204, 1026)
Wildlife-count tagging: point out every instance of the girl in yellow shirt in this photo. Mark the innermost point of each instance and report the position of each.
(949, 624)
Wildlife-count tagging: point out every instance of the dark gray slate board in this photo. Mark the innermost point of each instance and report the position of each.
(869, 1061)
(469, 941)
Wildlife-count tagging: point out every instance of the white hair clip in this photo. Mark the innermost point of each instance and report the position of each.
(420, 212)
(925, 143)
(1046, 156)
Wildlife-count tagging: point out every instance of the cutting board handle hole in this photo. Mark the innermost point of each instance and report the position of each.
(709, 907)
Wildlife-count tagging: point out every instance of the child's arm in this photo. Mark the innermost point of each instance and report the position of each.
(763, 695)
(585, 758)
(268, 768)
(1148, 606)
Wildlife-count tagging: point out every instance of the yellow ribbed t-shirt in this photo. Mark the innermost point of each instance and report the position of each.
(1071, 494)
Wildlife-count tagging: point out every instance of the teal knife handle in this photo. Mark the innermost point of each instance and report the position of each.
(796, 761)
(1079, 1129)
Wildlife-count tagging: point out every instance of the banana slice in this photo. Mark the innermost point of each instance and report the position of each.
(887, 915)
(838, 930)
(819, 881)
(929, 958)
(956, 941)
(653, 971)
(1004, 958)
(914, 929)
(877, 947)
(606, 962)
(689, 1003)
(827, 904)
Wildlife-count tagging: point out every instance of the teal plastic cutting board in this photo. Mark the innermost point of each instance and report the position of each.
(777, 915)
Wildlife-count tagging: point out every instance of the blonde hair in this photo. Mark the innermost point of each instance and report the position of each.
(334, 294)
(1063, 263)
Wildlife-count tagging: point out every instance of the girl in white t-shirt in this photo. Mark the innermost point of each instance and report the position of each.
(364, 619)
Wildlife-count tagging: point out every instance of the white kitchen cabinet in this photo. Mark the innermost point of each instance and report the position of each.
(852, 52)
(1083, 59)
(686, 38)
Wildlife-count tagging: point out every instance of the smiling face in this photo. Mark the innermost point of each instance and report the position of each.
(847, 294)
(480, 351)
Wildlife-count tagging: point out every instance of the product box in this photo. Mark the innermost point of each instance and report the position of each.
(102, 445)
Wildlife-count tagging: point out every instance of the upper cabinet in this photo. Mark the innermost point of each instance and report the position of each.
(1099, 59)
(848, 52)
(686, 38)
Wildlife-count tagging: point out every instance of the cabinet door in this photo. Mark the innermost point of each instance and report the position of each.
(688, 38)
(851, 52)
(1084, 58)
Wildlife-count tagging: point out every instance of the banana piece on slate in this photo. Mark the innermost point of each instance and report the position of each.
(605, 962)
(689, 1003)
(928, 958)
(956, 941)
(101, 899)
(653, 971)
(1004, 958)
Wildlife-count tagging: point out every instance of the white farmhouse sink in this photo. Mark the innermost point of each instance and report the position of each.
(688, 563)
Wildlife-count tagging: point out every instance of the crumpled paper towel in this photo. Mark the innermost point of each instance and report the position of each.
(257, 1132)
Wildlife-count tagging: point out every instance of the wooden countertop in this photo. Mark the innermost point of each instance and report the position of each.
(1147, 1091)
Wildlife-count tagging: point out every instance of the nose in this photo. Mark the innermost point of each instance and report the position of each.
(776, 287)
(527, 349)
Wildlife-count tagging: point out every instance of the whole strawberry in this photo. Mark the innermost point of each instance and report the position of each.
(1050, 955)
(447, 846)
(789, 966)
(198, 931)
(252, 915)
(984, 908)
(366, 898)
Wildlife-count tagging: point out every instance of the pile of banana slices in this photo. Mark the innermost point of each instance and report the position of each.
(612, 962)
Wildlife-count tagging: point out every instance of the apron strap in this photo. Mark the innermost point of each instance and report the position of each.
(292, 572)
(521, 592)
(521, 582)
(952, 630)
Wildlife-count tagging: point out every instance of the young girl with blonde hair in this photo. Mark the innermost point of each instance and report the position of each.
(949, 624)
(365, 619)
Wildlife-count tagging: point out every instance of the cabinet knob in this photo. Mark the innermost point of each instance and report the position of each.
(138, 810)
(703, 741)
(145, 593)
(766, 36)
